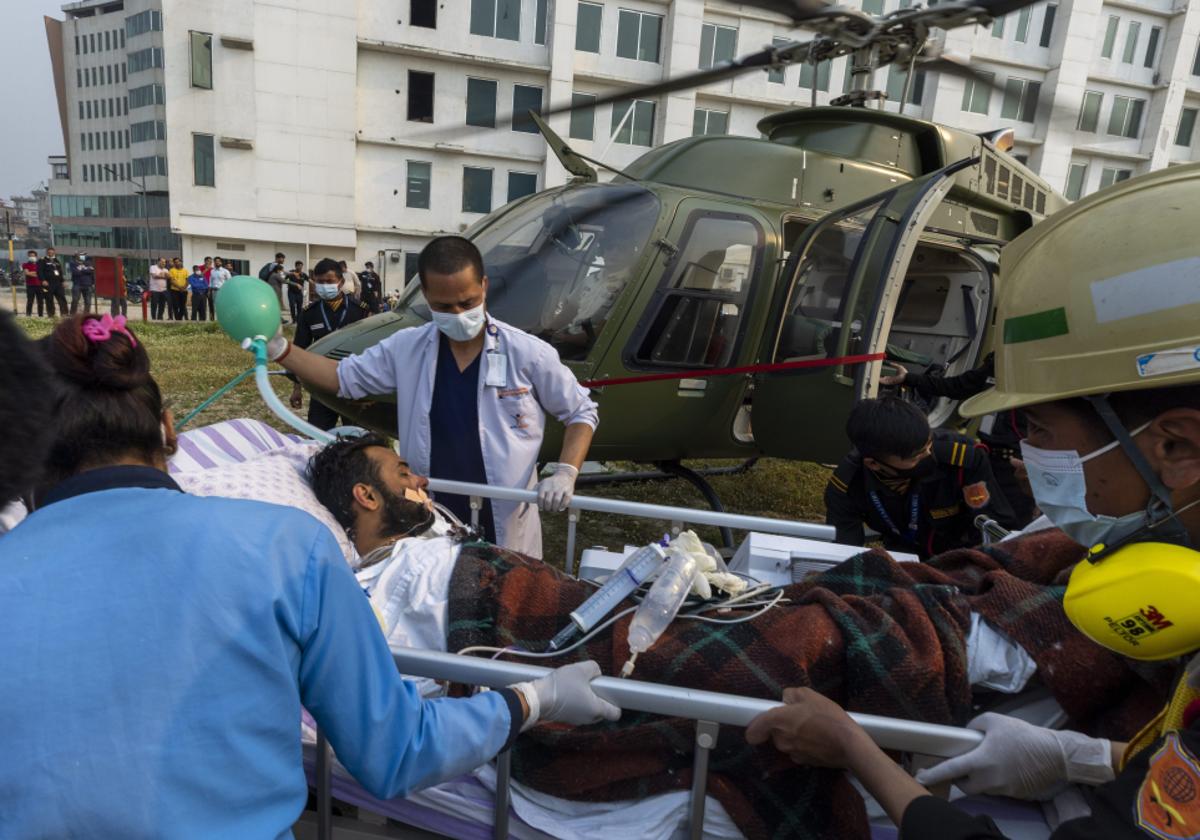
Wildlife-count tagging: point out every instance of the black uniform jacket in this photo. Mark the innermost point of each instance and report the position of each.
(1002, 432)
(1156, 795)
(318, 319)
(934, 514)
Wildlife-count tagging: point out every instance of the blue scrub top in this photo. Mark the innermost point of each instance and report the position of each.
(157, 648)
(456, 451)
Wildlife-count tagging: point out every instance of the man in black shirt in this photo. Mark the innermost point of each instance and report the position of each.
(920, 490)
(297, 282)
(372, 289)
(1100, 348)
(331, 311)
(50, 272)
(1001, 432)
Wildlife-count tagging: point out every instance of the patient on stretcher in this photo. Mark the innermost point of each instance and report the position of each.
(875, 635)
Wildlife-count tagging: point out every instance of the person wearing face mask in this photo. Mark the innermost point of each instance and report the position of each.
(331, 311)
(1105, 364)
(921, 489)
(472, 395)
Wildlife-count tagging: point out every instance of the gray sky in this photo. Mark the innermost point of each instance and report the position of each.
(31, 128)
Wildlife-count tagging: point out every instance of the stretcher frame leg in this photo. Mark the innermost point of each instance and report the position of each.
(572, 527)
(476, 507)
(706, 739)
(503, 795)
(324, 772)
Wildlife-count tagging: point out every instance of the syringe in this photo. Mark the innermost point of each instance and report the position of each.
(636, 570)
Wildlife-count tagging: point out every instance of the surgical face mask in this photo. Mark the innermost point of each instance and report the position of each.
(462, 326)
(1057, 480)
(327, 291)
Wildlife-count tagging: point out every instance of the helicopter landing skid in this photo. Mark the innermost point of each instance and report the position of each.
(700, 483)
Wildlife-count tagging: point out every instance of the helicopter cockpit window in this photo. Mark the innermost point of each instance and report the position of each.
(813, 320)
(708, 281)
(557, 263)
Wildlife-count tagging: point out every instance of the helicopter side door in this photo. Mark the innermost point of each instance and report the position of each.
(697, 310)
(840, 301)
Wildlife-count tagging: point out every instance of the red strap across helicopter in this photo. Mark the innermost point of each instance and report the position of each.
(730, 371)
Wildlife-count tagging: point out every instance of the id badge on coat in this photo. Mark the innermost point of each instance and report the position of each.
(496, 374)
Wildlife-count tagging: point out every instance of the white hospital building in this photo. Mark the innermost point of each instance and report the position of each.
(359, 129)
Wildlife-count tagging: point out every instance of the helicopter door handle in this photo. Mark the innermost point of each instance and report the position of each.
(692, 387)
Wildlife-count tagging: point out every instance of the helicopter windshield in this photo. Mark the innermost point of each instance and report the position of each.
(558, 263)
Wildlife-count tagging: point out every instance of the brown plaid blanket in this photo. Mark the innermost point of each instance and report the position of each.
(873, 634)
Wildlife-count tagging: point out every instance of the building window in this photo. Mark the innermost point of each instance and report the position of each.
(140, 97)
(155, 165)
(526, 98)
(588, 18)
(1048, 26)
(1089, 114)
(1020, 100)
(92, 42)
(998, 28)
(776, 74)
(92, 76)
(110, 74)
(78, 78)
(1131, 41)
(1187, 124)
(638, 35)
(895, 85)
(141, 132)
(204, 165)
(1108, 177)
(107, 41)
(705, 122)
(1126, 117)
(496, 19)
(1152, 45)
(872, 7)
(89, 109)
(1110, 36)
(477, 190)
(481, 102)
(202, 75)
(145, 59)
(423, 13)
(1023, 17)
(420, 180)
(124, 70)
(521, 184)
(81, 109)
(977, 95)
(633, 123)
(420, 96)
(717, 44)
(539, 22)
(1196, 62)
(583, 116)
(76, 45)
(820, 73)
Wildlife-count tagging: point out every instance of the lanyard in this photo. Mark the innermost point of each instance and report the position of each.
(915, 512)
(325, 318)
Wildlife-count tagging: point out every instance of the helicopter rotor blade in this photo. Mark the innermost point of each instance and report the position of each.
(760, 60)
(797, 10)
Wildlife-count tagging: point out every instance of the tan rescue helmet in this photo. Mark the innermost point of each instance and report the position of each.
(1103, 296)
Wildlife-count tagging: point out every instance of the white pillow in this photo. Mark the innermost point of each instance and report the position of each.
(277, 477)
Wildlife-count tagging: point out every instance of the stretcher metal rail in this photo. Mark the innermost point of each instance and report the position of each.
(677, 516)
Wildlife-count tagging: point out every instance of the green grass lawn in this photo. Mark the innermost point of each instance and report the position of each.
(190, 361)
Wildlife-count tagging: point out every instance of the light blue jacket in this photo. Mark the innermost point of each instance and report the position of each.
(156, 651)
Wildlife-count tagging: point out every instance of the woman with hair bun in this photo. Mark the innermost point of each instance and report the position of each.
(157, 647)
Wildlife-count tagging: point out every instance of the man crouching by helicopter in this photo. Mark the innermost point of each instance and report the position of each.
(471, 395)
(1105, 362)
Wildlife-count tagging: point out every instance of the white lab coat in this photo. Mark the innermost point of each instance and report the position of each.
(512, 417)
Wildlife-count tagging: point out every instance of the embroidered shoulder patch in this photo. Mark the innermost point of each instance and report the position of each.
(976, 495)
(1168, 802)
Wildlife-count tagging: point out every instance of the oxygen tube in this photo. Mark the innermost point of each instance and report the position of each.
(248, 312)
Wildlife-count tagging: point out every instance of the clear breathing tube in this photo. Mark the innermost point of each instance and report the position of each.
(263, 381)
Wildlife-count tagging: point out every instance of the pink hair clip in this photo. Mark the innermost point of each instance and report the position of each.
(101, 329)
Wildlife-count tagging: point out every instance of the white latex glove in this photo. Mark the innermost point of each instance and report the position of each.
(276, 346)
(1024, 761)
(555, 490)
(565, 695)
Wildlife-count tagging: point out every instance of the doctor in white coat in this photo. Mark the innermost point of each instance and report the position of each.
(471, 393)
